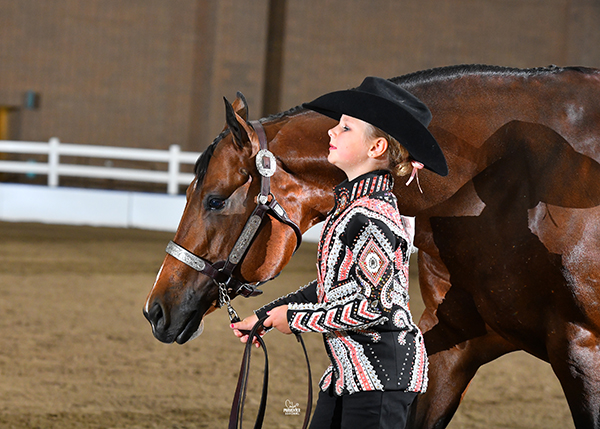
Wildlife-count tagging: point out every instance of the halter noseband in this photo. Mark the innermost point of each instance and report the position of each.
(266, 203)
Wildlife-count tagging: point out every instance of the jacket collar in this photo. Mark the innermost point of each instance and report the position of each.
(350, 190)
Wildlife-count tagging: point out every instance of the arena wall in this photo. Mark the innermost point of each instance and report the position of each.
(151, 73)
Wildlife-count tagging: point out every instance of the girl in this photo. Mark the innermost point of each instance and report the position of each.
(359, 301)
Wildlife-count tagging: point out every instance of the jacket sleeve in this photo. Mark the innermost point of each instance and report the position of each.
(305, 294)
(368, 259)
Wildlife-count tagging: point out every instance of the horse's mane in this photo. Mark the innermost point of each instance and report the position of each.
(458, 71)
(285, 114)
(417, 78)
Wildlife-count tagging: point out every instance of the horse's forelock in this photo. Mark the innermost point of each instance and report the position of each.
(202, 163)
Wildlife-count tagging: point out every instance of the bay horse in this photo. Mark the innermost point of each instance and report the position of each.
(508, 242)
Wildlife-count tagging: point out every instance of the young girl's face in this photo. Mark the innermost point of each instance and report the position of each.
(348, 146)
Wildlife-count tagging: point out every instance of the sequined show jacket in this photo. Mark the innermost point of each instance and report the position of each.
(359, 301)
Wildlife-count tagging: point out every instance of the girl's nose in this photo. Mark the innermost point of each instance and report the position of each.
(330, 133)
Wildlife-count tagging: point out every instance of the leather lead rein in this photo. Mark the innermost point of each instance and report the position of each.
(237, 406)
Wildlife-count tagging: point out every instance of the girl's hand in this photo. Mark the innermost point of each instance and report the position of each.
(245, 325)
(278, 319)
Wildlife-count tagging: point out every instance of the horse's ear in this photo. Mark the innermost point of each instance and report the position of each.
(240, 106)
(242, 132)
(240, 136)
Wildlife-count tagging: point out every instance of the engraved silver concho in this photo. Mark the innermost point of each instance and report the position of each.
(260, 165)
(185, 256)
(243, 241)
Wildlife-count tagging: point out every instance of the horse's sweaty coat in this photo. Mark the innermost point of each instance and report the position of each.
(508, 243)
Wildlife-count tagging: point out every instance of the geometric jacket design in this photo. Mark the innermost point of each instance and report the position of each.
(359, 301)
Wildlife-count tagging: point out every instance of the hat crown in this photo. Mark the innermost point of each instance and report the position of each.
(392, 109)
(390, 91)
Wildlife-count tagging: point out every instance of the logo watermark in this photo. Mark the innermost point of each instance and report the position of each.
(291, 409)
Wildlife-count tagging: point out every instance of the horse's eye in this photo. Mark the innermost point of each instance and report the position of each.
(215, 203)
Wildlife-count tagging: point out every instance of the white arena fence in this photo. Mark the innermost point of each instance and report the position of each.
(54, 149)
(79, 206)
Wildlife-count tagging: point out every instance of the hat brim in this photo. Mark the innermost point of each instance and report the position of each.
(389, 117)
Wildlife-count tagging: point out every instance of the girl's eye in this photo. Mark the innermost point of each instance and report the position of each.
(345, 128)
(215, 203)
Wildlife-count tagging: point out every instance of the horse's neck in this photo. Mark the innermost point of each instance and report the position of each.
(302, 145)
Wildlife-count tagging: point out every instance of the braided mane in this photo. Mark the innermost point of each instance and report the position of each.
(412, 79)
(458, 71)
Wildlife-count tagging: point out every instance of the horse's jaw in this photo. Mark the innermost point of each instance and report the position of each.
(192, 329)
(181, 338)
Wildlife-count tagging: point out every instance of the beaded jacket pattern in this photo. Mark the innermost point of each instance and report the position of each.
(359, 301)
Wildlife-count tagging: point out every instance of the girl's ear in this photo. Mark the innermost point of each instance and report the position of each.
(378, 147)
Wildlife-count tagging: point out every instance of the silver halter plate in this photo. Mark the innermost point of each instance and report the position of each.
(266, 169)
(184, 256)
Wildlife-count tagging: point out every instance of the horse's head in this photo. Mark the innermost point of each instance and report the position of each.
(220, 201)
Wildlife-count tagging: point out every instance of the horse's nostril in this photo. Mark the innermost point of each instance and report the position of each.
(156, 316)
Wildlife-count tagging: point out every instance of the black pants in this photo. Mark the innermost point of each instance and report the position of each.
(364, 410)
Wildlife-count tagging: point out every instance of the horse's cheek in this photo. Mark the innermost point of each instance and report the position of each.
(269, 253)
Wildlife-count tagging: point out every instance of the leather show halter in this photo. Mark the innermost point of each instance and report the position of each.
(229, 287)
(222, 272)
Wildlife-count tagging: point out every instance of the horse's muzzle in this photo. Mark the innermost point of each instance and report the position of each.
(165, 331)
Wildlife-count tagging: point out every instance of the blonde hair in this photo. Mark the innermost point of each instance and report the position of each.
(398, 156)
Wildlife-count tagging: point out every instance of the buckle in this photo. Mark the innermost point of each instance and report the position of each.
(247, 290)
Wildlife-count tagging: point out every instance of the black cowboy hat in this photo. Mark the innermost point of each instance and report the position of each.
(392, 109)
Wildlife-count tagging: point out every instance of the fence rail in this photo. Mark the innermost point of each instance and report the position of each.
(54, 149)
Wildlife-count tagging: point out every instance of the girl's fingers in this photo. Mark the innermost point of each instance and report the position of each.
(244, 337)
(246, 325)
